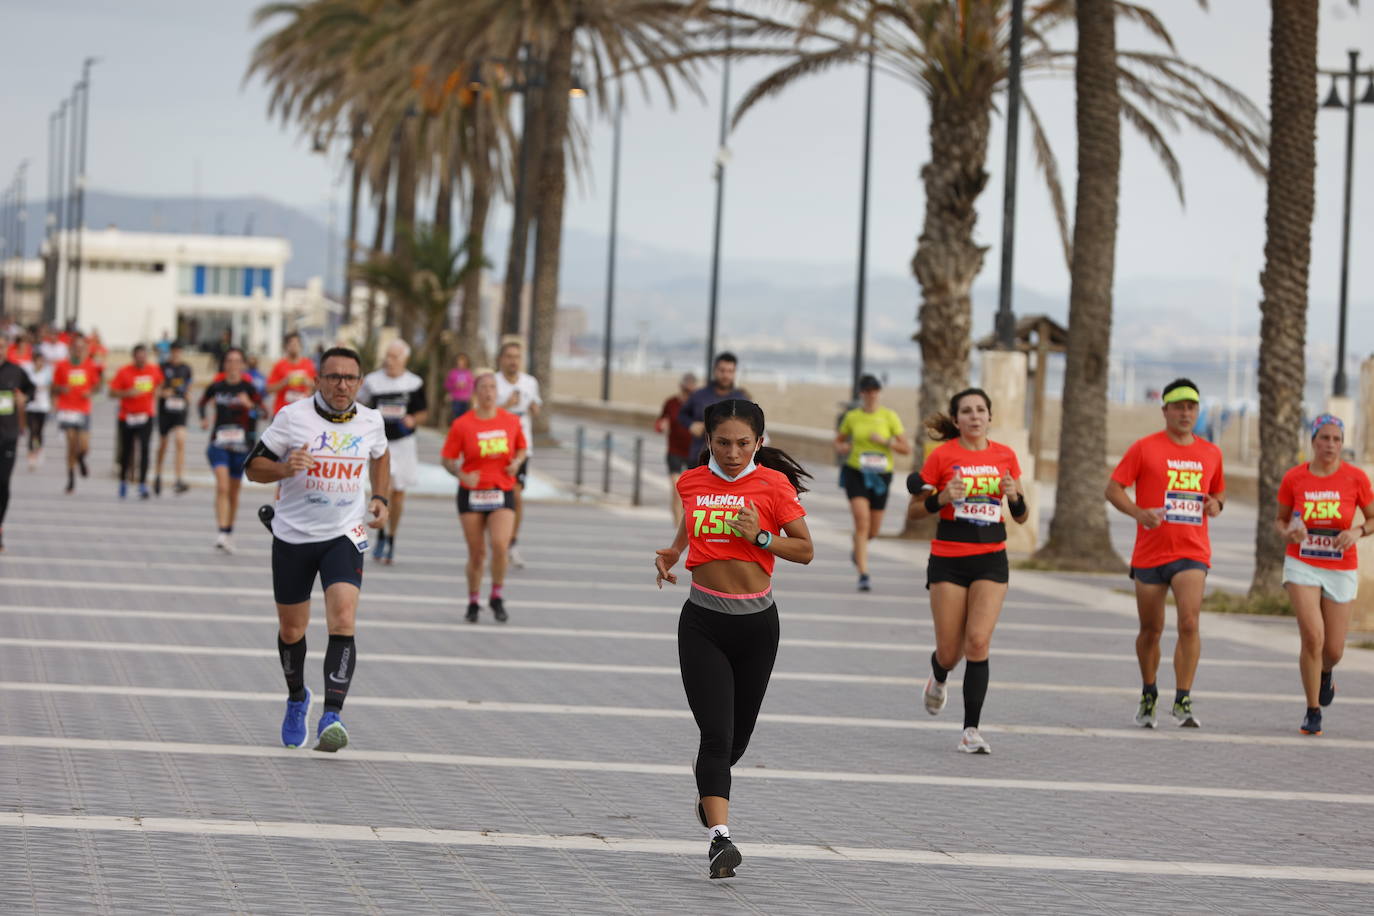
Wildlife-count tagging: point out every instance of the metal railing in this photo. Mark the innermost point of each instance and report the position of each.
(582, 453)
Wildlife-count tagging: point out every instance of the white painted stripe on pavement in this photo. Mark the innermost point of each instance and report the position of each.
(183, 748)
(361, 833)
(615, 634)
(384, 623)
(643, 712)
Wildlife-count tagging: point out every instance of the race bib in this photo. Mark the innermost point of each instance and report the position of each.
(358, 535)
(175, 405)
(1184, 508)
(71, 417)
(294, 396)
(873, 461)
(486, 500)
(6, 403)
(230, 437)
(1320, 544)
(979, 511)
(136, 419)
(393, 412)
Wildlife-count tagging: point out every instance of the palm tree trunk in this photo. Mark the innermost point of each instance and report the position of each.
(947, 260)
(354, 192)
(549, 217)
(402, 232)
(1079, 536)
(383, 189)
(1287, 257)
(470, 319)
(527, 193)
(443, 204)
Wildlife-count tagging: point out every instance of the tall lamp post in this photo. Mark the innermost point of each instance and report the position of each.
(861, 291)
(610, 255)
(722, 156)
(1340, 385)
(85, 87)
(1006, 319)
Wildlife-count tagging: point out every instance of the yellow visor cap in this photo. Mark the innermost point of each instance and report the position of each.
(1181, 394)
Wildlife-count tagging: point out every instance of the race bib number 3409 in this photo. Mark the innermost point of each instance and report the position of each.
(1184, 508)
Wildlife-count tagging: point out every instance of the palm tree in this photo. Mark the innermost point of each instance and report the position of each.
(423, 283)
(651, 38)
(1079, 537)
(1287, 255)
(956, 53)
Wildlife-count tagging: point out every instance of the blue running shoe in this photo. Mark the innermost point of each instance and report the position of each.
(331, 734)
(379, 550)
(294, 730)
(123, 489)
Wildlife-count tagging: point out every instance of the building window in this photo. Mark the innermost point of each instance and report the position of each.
(265, 280)
(186, 279)
(200, 280)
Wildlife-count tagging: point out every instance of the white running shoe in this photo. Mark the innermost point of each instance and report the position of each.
(973, 743)
(224, 543)
(935, 695)
(516, 561)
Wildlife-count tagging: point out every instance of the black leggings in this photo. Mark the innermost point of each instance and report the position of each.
(9, 448)
(128, 435)
(726, 661)
(35, 420)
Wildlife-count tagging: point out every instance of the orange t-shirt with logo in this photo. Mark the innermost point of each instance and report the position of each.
(709, 501)
(80, 381)
(1327, 506)
(144, 382)
(1177, 478)
(975, 525)
(299, 378)
(487, 446)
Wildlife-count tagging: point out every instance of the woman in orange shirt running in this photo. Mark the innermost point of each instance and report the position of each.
(737, 504)
(965, 481)
(1317, 503)
(484, 449)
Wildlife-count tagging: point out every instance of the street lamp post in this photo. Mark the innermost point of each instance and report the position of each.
(610, 254)
(861, 292)
(73, 172)
(1006, 319)
(81, 179)
(54, 273)
(721, 157)
(1340, 385)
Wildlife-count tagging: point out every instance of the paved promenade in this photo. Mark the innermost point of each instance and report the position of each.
(542, 766)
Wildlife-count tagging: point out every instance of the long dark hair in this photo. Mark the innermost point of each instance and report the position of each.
(941, 426)
(752, 414)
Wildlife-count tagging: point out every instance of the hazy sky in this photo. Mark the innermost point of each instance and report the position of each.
(169, 102)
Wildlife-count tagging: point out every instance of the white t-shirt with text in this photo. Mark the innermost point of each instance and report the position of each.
(528, 388)
(328, 500)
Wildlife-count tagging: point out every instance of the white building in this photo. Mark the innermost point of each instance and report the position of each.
(134, 286)
(21, 289)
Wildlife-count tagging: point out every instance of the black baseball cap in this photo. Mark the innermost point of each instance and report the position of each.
(869, 383)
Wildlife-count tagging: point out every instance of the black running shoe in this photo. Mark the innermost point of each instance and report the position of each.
(498, 610)
(725, 858)
(81, 463)
(1327, 693)
(157, 486)
(265, 515)
(471, 615)
(181, 487)
(71, 481)
(1312, 723)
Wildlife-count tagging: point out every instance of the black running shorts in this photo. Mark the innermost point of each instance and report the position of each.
(295, 566)
(964, 571)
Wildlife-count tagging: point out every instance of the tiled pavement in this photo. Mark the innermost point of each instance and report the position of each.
(540, 767)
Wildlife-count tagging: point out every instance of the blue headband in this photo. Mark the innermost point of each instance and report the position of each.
(1327, 419)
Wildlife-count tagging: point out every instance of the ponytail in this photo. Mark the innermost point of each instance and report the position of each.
(778, 460)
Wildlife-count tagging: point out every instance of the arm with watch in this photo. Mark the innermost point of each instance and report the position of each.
(796, 546)
(379, 471)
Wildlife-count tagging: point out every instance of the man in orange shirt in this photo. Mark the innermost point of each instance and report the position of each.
(293, 377)
(135, 385)
(1179, 485)
(74, 380)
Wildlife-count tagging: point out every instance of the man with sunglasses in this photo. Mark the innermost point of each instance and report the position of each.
(319, 451)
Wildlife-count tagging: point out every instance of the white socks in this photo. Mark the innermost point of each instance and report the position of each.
(720, 830)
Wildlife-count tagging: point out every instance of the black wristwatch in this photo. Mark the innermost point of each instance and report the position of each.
(385, 501)
(763, 539)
